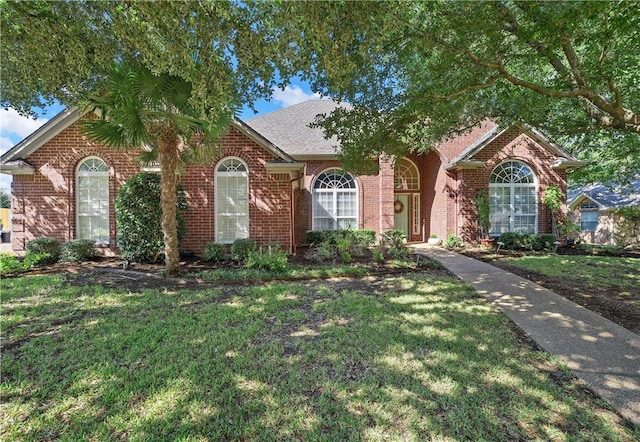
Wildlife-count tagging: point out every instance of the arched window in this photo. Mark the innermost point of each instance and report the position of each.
(92, 200)
(335, 201)
(232, 200)
(405, 175)
(513, 199)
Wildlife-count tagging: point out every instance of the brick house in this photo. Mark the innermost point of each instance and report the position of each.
(596, 208)
(276, 178)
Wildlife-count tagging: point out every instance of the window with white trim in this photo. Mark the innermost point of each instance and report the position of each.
(513, 199)
(232, 200)
(589, 217)
(335, 201)
(92, 200)
(405, 175)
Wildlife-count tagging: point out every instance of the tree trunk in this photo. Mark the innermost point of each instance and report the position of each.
(168, 156)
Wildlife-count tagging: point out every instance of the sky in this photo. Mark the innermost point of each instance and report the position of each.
(14, 127)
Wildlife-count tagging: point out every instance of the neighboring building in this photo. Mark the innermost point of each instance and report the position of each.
(276, 178)
(595, 207)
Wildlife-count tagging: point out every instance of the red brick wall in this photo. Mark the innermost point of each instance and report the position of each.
(512, 145)
(374, 192)
(269, 197)
(44, 203)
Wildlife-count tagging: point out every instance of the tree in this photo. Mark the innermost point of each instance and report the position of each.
(183, 69)
(419, 72)
(5, 199)
(153, 112)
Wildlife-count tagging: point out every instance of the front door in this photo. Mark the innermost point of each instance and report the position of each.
(401, 214)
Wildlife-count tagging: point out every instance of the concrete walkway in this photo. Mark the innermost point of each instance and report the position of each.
(603, 354)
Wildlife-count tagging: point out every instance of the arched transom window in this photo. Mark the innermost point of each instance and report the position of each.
(405, 175)
(513, 199)
(335, 201)
(92, 200)
(232, 200)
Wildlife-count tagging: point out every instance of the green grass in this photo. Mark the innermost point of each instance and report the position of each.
(599, 271)
(300, 272)
(407, 357)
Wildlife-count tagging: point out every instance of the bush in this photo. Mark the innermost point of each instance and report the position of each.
(602, 250)
(214, 251)
(273, 260)
(242, 247)
(452, 241)
(78, 250)
(346, 257)
(138, 216)
(356, 237)
(10, 264)
(528, 241)
(321, 252)
(44, 246)
(394, 239)
(378, 256)
(538, 242)
(511, 240)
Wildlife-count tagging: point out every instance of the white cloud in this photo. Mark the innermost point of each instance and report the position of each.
(5, 144)
(15, 127)
(292, 95)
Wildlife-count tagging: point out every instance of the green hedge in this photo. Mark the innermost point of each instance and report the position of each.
(360, 237)
(528, 241)
(45, 246)
(78, 250)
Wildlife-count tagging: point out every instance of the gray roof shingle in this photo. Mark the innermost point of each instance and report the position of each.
(289, 129)
(606, 196)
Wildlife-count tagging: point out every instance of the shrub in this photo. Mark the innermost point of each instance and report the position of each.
(394, 239)
(78, 250)
(452, 241)
(36, 260)
(378, 256)
(321, 252)
(627, 228)
(361, 237)
(511, 240)
(214, 251)
(529, 241)
(10, 264)
(602, 250)
(138, 216)
(273, 260)
(346, 257)
(242, 247)
(44, 246)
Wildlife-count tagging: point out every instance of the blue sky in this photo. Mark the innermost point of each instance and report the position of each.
(14, 128)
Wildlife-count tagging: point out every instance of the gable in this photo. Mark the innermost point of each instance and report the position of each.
(606, 197)
(469, 158)
(14, 161)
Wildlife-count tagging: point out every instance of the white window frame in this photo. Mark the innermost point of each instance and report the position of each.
(512, 185)
(218, 199)
(333, 192)
(592, 212)
(102, 213)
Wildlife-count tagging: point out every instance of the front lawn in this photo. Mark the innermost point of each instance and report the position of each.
(598, 271)
(405, 357)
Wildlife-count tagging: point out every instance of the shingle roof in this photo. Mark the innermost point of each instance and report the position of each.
(289, 129)
(606, 196)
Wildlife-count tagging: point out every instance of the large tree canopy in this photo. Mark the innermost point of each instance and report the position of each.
(417, 72)
(62, 50)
